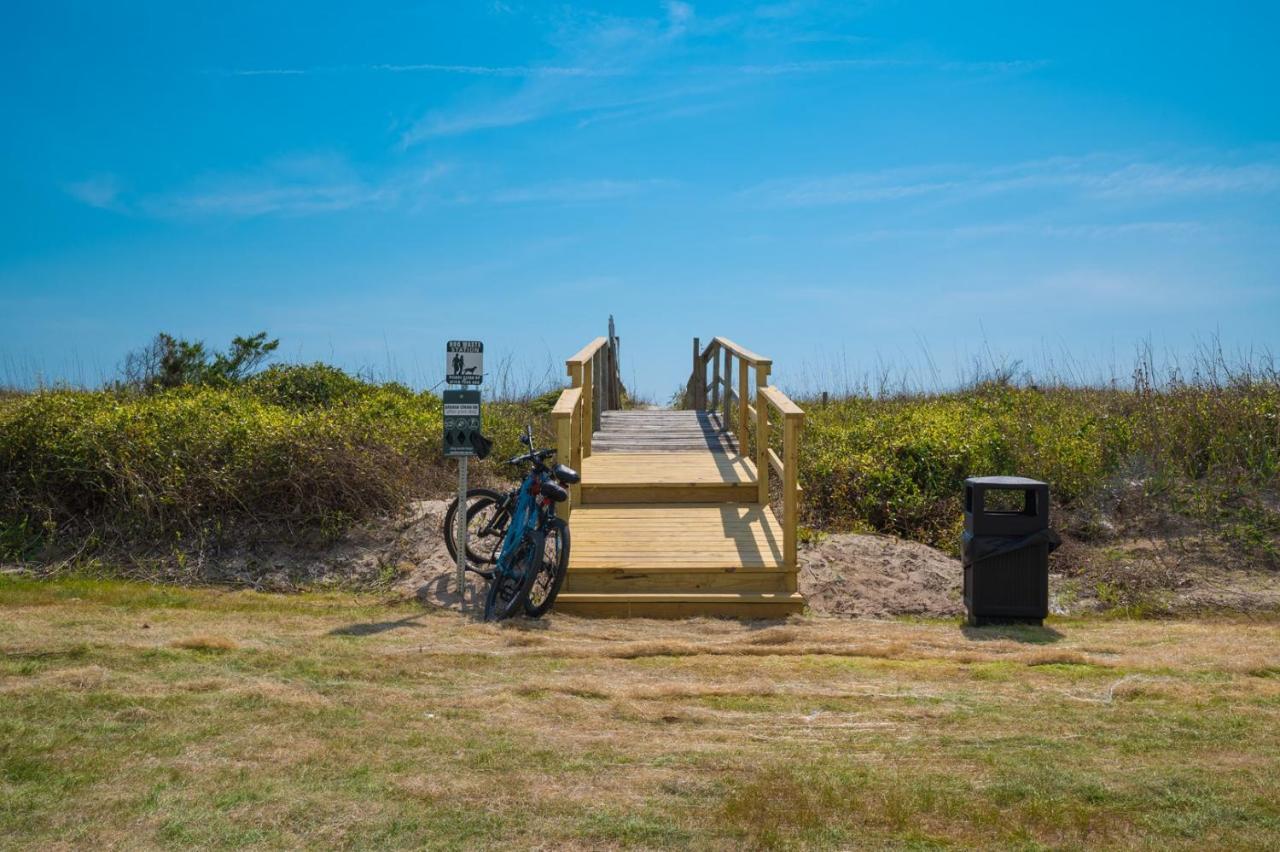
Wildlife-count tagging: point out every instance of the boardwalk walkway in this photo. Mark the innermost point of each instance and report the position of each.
(668, 520)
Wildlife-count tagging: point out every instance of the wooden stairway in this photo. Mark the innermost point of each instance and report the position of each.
(668, 520)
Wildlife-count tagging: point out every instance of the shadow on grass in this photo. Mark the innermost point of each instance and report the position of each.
(1031, 634)
(371, 628)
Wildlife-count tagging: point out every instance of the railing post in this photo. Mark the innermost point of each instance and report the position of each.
(744, 428)
(564, 447)
(695, 380)
(715, 380)
(790, 491)
(725, 423)
(575, 491)
(762, 435)
(588, 407)
(728, 383)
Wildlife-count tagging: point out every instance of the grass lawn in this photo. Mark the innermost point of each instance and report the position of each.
(135, 715)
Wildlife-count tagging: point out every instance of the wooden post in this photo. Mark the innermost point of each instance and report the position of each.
(600, 401)
(725, 425)
(575, 491)
(715, 380)
(790, 493)
(744, 428)
(588, 409)
(696, 376)
(564, 448)
(762, 435)
(728, 383)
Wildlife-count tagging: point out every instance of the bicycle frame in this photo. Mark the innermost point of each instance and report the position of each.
(523, 518)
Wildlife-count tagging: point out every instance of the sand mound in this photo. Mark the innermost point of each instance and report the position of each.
(879, 576)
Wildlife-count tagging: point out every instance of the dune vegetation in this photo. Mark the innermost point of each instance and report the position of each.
(191, 446)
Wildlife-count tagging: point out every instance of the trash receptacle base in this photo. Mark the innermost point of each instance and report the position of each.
(993, 620)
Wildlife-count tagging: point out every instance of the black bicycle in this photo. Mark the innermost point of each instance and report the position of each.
(541, 546)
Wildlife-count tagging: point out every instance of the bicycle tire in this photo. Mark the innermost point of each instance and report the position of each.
(553, 571)
(508, 592)
(477, 500)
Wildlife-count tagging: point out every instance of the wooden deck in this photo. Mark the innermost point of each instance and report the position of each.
(669, 520)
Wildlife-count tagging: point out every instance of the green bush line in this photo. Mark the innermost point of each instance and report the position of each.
(898, 465)
(295, 450)
(306, 449)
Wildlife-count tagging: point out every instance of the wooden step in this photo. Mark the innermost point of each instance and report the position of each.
(681, 605)
(659, 431)
(674, 477)
(688, 537)
(624, 581)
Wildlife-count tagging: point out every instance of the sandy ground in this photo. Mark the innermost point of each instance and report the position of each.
(848, 575)
(879, 576)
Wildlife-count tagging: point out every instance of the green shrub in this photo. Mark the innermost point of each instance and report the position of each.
(300, 386)
(294, 451)
(899, 464)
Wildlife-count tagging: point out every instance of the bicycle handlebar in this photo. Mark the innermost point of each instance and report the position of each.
(536, 455)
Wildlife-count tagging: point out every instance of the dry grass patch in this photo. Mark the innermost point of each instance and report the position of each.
(313, 729)
(205, 643)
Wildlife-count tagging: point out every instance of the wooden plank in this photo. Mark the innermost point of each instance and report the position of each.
(675, 468)
(618, 582)
(782, 402)
(566, 402)
(595, 494)
(743, 353)
(776, 463)
(790, 495)
(586, 353)
(588, 409)
(636, 605)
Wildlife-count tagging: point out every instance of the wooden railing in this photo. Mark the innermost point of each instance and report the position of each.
(739, 415)
(596, 387)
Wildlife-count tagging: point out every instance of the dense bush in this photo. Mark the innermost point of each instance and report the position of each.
(294, 450)
(897, 465)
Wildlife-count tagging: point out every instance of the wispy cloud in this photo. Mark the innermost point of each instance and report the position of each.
(611, 47)
(1068, 231)
(577, 191)
(291, 186)
(1092, 177)
(102, 191)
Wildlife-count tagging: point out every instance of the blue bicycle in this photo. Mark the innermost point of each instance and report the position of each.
(522, 576)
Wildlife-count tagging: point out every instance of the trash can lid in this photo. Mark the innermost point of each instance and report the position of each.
(1016, 481)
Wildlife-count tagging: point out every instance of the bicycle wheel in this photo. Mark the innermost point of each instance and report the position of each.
(509, 589)
(551, 574)
(487, 520)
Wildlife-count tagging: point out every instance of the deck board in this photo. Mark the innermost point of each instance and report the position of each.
(668, 524)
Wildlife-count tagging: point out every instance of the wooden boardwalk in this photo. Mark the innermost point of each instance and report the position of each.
(671, 518)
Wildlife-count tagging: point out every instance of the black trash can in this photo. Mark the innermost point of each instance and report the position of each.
(1005, 550)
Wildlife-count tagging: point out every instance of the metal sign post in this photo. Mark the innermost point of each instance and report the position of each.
(464, 365)
(461, 538)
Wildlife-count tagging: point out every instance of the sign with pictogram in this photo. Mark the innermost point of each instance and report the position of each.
(461, 422)
(464, 362)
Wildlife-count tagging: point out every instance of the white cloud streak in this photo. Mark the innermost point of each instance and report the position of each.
(1086, 177)
(293, 186)
(101, 191)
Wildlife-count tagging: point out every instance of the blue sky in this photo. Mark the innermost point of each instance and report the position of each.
(840, 186)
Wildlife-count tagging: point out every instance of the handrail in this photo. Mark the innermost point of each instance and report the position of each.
(567, 402)
(742, 352)
(739, 415)
(587, 352)
(782, 402)
(567, 417)
(596, 386)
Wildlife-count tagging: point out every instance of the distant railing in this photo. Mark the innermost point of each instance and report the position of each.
(738, 415)
(596, 387)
